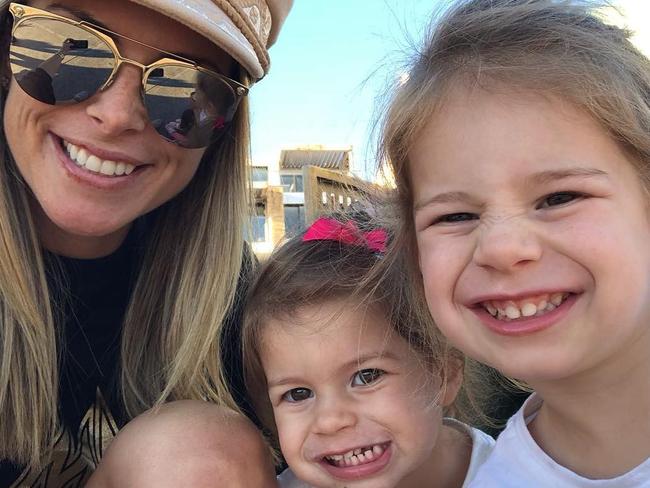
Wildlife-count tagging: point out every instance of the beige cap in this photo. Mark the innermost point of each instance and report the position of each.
(243, 28)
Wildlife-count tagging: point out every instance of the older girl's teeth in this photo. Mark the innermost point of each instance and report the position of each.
(129, 169)
(557, 298)
(512, 312)
(528, 310)
(120, 169)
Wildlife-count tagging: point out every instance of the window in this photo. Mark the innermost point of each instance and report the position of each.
(294, 219)
(292, 183)
(259, 223)
(260, 174)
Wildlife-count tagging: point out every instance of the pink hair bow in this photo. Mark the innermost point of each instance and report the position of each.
(328, 229)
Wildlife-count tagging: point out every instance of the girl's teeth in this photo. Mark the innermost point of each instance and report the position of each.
(556, 299)
(512, 311)
(357, 456)
(528, 310)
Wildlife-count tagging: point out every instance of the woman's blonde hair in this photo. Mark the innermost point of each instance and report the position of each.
(172, 328)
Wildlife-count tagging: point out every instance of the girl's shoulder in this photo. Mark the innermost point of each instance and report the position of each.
(287, 479)
(517, 460)
(482, 446)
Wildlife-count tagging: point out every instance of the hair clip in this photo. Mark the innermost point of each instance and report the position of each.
(328, 229)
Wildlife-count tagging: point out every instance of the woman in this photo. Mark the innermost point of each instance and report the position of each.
(121, 243)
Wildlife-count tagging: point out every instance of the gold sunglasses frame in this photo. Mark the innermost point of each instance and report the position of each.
(22, 13)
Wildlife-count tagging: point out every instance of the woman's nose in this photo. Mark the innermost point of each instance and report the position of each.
(507, 244)
(118, 109)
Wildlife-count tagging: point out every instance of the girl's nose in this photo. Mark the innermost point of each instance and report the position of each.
(333, 416)
(507, 245)
(118, 109)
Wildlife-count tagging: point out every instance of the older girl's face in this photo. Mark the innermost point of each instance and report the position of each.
(533, 227)
(78, 212)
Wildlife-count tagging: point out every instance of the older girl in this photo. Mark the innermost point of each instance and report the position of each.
(122, 235)
(521, 146)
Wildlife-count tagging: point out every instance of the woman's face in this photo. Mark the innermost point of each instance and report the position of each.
(83, 213)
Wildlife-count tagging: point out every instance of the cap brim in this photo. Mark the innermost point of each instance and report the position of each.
(210, 21)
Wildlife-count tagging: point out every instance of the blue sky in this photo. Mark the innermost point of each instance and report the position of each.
(332, 59)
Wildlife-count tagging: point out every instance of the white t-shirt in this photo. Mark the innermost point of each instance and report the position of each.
(517, 461)
(482, 445)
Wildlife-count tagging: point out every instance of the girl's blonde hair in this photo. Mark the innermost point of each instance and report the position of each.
(553, 48)
(172, 328)
(558, 48)
(300, 274)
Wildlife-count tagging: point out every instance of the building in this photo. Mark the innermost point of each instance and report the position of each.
(305, 182)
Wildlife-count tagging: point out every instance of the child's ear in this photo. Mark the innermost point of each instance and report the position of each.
(453, 379)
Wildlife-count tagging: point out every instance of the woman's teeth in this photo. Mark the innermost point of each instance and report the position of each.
(92, 163)
(357, 456)
(510, 310)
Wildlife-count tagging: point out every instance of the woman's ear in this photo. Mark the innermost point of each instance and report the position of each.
(453, 378)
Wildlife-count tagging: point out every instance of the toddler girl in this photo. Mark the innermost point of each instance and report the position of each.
(521, 148)
(342, 373)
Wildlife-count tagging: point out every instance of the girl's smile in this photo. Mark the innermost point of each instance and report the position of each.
(353, 404)
(520, 317)
(532, 229)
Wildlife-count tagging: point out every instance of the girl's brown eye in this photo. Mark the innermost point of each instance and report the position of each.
(366, 376)
(559, 198)
(296, 395)
(455, 218)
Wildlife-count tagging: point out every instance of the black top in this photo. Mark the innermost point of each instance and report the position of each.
(94, 298)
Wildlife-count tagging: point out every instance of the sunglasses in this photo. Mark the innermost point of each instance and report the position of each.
(59, 61)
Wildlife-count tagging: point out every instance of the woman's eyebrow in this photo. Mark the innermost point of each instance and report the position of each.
(79, 14)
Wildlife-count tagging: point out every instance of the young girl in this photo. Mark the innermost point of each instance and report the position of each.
(521, 144)
(349, 388)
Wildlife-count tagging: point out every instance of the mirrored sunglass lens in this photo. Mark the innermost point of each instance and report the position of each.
(188, 106)
(56, 62)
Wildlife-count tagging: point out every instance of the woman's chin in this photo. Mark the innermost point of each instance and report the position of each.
(81, 235)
